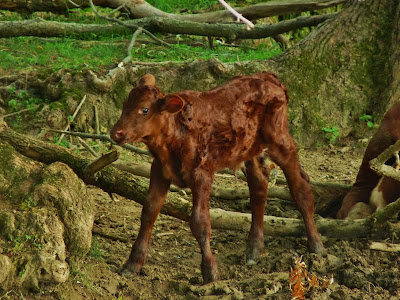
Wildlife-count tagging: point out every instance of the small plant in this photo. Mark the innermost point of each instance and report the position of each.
(95, 250)
(368, 119)
(28, 203)
(332, 133)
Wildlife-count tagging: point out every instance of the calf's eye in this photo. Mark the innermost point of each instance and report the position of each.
(145, 111)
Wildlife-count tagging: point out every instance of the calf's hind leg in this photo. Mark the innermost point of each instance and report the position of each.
(285, 155)
(257, 179)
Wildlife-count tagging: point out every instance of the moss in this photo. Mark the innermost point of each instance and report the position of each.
(7, 224)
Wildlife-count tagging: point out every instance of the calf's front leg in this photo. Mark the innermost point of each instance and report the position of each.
(158, 190)
(200, 223)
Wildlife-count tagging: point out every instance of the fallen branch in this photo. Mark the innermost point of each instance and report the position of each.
(112, 237)
(100, 163)
(142, 9)
(237, 15)
(378, 164)
(43, 28)
(131, 26)
(384, 247)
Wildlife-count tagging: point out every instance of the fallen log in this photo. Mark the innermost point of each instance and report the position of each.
(378, 164)
(142, 9)
(135, 188)
(43, 28)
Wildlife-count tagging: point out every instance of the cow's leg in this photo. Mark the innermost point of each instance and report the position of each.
(257, 180)
(284, 152)
(158, 190)
(200, 223)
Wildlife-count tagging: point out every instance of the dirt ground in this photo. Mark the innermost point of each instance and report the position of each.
(172, 270)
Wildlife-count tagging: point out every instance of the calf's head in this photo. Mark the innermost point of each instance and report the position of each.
(144, 112)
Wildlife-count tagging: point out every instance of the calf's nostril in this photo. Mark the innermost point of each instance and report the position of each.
(117, 134)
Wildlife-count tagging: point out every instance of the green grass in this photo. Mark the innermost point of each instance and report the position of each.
(29, 53)
(177, 5)
(104, 52)
(63, 53)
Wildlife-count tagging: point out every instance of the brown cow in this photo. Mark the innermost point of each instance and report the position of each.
(194, 134)
(371, 191)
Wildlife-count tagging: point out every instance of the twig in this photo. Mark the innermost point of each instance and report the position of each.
(131, 26)
(128, 57)
(110, 236)
(19, 112)
(117, 9)
(102, 137)
(96, 117)
(73, 3)
(73, 117)
(238, 16)
(87, 147)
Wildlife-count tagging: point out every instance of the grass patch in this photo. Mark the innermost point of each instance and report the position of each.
(30, 53)
(26, 53)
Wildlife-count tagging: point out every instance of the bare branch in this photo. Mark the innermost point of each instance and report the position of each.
(238, 16)
(73, 117)
(378, 164)
(132, 26)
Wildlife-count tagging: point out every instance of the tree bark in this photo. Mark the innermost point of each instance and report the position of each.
(141, 9)
(43, 28)
(347, 67)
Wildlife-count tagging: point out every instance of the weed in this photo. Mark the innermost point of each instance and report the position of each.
(368, 119)
(28, 203)
(95, 251)
(332, 133)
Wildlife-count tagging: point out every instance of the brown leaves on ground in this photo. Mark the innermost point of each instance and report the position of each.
(301, 280)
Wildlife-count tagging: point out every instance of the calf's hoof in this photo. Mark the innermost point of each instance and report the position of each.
(210, 274)
(252, 255)
(317, 247)
(129, 270)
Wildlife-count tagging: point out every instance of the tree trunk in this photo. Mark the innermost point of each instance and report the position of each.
(347, 67)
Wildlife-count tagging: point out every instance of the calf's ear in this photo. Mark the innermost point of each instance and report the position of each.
(172, 104)
(148, 79)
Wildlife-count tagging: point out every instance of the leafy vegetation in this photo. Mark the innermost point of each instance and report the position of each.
(331, 133)
(368, 119)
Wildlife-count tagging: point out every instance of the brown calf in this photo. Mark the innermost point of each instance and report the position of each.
(193, 134)
(370, 189)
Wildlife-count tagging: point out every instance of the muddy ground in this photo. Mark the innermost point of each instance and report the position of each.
(172, 270)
